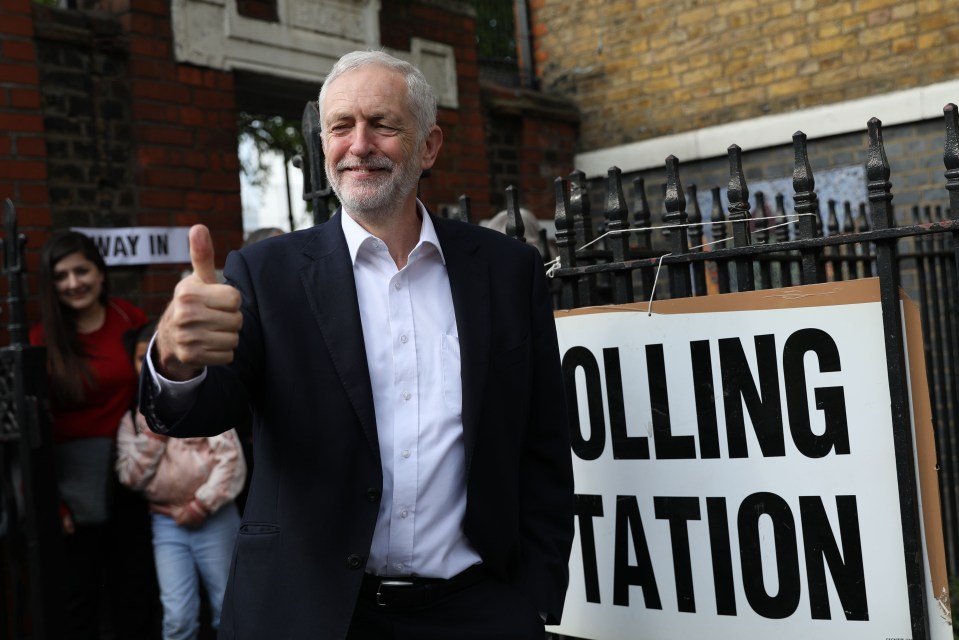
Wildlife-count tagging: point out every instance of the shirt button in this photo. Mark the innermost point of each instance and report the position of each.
(397, 286)
(404, 513)
(403, 339)
(406, 453)
(354, 561)
(406, 396)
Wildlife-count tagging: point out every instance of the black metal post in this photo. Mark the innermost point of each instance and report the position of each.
(880, 198)
(26, 438)
(617, 221)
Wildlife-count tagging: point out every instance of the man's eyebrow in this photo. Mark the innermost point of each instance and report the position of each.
(336, 116)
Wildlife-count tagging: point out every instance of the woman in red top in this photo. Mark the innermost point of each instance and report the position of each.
(92, 384)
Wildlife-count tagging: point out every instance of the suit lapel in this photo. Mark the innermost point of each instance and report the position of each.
(469, 284)
(331, 291)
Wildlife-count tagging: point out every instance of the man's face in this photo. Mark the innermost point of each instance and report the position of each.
(373, 161)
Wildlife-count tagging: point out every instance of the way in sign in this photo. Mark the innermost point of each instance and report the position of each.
(113, 246)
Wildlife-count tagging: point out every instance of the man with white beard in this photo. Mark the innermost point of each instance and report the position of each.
(412, 475)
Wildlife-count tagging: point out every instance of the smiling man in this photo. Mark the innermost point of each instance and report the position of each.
(412, 475)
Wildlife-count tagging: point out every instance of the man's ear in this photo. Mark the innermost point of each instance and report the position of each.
(431, 147)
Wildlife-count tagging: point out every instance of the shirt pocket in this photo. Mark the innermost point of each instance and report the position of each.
(452, 378)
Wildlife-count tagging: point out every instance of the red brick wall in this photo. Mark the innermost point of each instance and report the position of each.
(23, 169)
(543, 151)
(185, 138)
(182, 149)
(462, 166)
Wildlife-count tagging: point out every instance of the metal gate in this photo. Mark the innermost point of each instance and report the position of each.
(621, 266)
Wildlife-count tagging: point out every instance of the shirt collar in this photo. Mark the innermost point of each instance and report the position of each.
(356, 235)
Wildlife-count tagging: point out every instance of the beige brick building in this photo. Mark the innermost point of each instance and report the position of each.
(690, 77)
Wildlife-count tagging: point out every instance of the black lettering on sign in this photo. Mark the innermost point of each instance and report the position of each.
(159, 245)
(625, 447)
(103, 244)
(705, 394)
(668, 446)
(585, 508)
(739, 388)
(679, 511)
(829, 400)
(819, 544)
(754, 507)
(720, 550)
(591, 447)
(629, 526)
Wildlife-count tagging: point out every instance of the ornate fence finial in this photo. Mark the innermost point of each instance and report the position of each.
(877, 172)
(641, 216)
(717, 216)
(804, 186)
(718, 227)
(807, 209)
(695, 218)
(738, 195)
(579, 207)
(515, 227)
(762, 226)
(848, 226)
(862, 220)
(675, 202)
(832, 218)
(617, 221)
(617, 213)
(782, 223)
(680, 285)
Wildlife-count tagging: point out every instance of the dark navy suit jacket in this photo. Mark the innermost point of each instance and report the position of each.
(300, 371)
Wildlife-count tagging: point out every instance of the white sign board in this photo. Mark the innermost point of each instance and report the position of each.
(735, 473)
(141, 245)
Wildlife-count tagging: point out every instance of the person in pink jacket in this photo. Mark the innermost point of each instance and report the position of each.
(191, 484)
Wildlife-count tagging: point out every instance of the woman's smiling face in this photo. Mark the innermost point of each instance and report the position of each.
(78, 282)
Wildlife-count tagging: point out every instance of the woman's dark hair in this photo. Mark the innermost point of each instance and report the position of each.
(66, 358)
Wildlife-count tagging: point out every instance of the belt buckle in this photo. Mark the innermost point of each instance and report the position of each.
(389, 584)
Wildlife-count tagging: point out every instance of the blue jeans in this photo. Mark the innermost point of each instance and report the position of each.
(180, 555)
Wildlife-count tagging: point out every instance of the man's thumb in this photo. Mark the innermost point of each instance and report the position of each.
(201, 254)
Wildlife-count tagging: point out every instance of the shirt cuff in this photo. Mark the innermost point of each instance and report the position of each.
(177, 394)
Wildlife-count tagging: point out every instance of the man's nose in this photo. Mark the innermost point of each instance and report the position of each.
(361, 144)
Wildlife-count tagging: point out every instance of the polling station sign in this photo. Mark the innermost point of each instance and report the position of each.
(141, 245)
(735, 470)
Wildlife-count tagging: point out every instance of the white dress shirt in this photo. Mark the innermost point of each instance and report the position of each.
(412, 350)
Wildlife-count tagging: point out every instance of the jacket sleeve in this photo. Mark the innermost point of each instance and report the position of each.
(139, 452)
(227, 475)
(546, 484)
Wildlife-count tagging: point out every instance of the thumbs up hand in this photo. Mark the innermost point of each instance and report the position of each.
(201, 325)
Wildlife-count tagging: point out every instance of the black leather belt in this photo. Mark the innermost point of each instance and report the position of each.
(412, 591)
